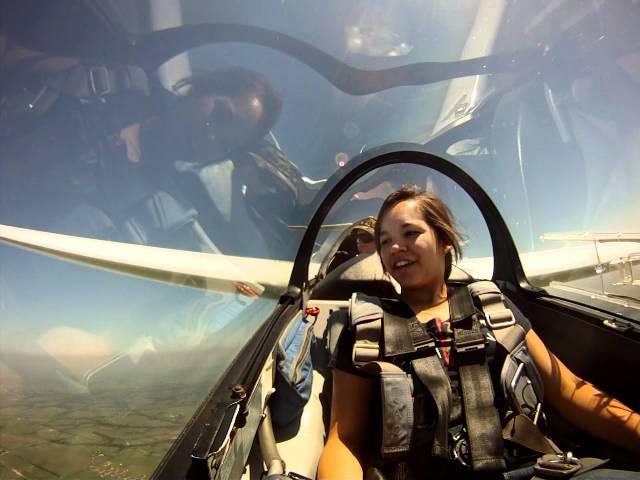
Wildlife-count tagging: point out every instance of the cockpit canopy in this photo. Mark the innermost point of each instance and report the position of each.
(168, 170)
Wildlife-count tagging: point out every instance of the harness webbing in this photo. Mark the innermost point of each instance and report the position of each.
(397, 407)
(433, 376)
(483, 424)
(481, 416)
(398, 339)
(395, 384)
(521, 430)
(366, 317)
(386, 339)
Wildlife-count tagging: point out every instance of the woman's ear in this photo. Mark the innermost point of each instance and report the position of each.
(448, 249)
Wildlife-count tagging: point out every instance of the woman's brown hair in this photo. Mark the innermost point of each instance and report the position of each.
(434, 212)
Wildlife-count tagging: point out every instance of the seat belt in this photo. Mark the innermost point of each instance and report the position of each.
(366, 318)
(396, 385)
(519, 428)
(481, 416)
(433, 376)
(429, 370)
(396, 389)
(499, 318)
(100, 80)
(117, 93)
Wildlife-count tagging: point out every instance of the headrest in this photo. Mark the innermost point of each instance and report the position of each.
(364, 273)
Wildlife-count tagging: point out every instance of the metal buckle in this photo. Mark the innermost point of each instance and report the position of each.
(470, 351)
(422, 349)
(500, 318)
(425, 345)
(557, 465)
(470, 345)
(459, 447)
(100, 81)
(518, 404)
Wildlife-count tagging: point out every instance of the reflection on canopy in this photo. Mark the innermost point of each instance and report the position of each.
(539, 106)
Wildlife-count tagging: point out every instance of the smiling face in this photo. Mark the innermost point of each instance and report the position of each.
(410, 249)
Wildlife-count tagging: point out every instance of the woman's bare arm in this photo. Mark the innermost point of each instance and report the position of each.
(349, 413)
(583, 404)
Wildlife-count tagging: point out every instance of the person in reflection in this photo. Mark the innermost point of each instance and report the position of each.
(209, 143)
(57, 133)
(446, 422)
(211, 148)
(215, 143)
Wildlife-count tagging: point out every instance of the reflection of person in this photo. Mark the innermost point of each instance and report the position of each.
(213, 142)
(35, 83)
(61, 120)
(225, 111)
(416, 240)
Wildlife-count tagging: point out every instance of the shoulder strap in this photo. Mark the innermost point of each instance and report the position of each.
(432, 374)
(401, 337)
(99, 80)
(481, 416)
(491, 301)
(336, 323)
(520, 428)
(499, 317)
(396, 387)
(508, 334)
(396, 390)
(366, 314)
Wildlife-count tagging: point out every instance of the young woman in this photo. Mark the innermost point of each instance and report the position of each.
(416, 240)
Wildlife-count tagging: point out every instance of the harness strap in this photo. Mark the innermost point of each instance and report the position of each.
(335, 325)
(366, 317)
(498, 316)
(21, 99)
(79, 80)
(460, 306)
(492, 302)
(521, 430)
(483, 423)
(28, 92)
(433, 376)
(510, 337)
(99, 80)
(396, 385)
(431, 372)
(396, 388)
(528, 390)
(398, 336)
(468, 338)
